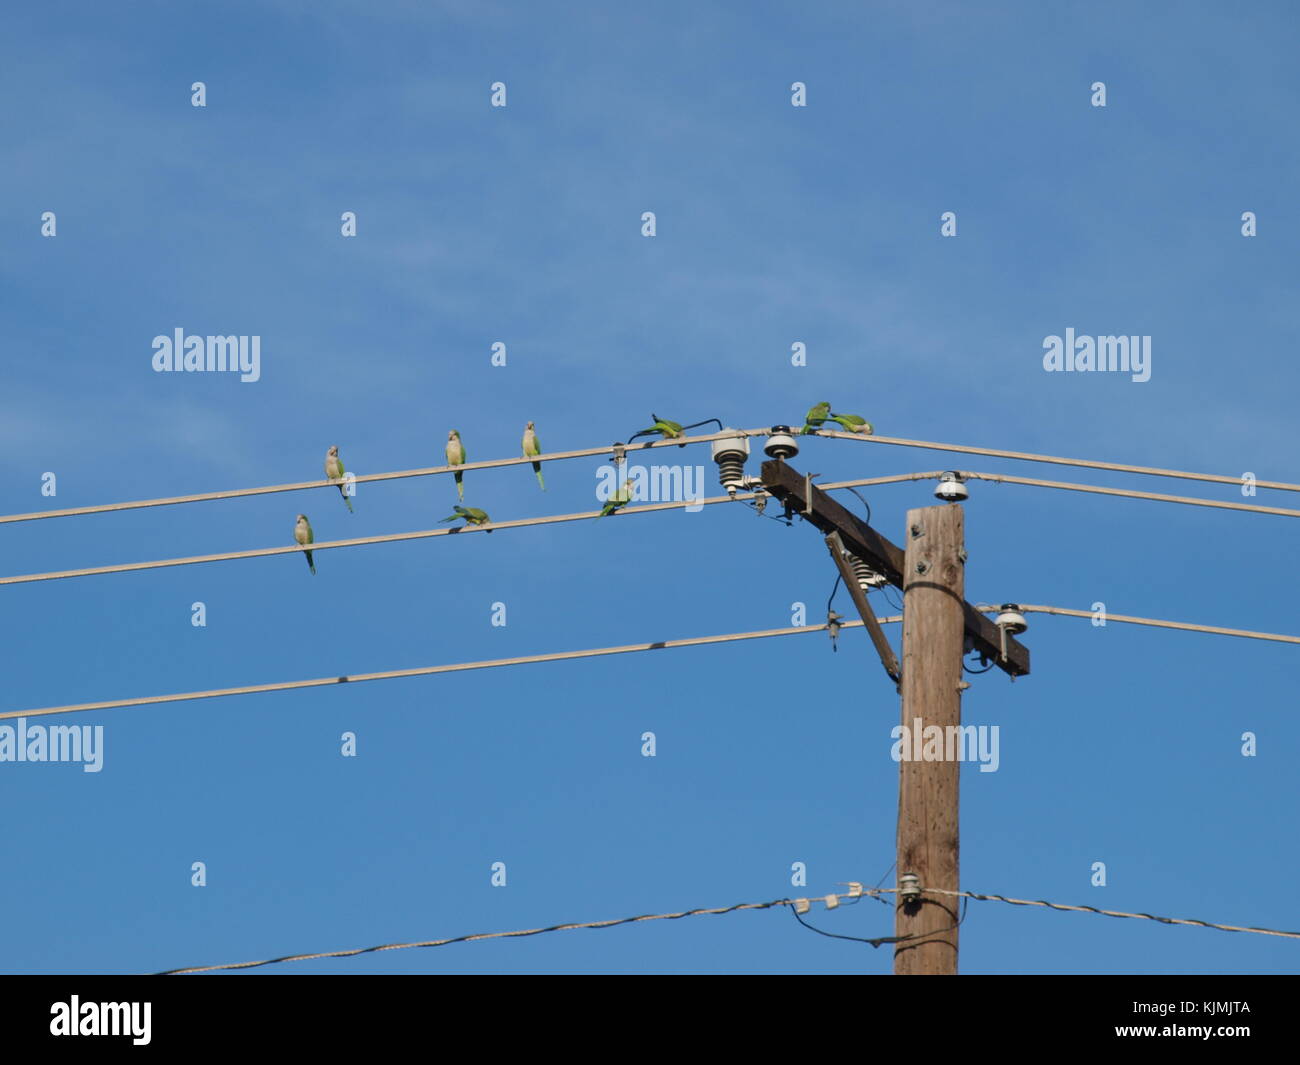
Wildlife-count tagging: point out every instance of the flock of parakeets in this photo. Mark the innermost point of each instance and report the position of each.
(662, 427)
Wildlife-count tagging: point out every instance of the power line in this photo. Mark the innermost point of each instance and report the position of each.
(1183, 626)
(1025, 456)
(423, 671)
(424, 471)
(1114, 913)
(507, 935)
(424, 534)
(798, 906)
(1159, 497)
(428, 471)
(360, 541)
(1127, 493)
(601, 652)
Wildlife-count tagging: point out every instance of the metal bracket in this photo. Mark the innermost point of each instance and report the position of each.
(807, 492)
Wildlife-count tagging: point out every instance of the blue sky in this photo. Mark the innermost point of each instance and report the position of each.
(775, 224)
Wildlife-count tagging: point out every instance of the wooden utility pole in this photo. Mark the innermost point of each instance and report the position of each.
(933, 632)
(938, 625)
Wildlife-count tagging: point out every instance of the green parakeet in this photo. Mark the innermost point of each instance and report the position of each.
(853, 424)
(532, 447)
(472, 516)
(456, 457)
(620, 498)
(334, 470)
(666, 429)
(303, 535)
(816, 417)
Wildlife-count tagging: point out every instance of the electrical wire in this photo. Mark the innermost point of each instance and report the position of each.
(864, 502)
(857, 892)
(918, 936)
(599, 652)
(1071, 486)
(458, 667)
(425, 534)
(492, 935)
(1159, 497)
(424, 471)
(977, 672)
(892, 866)
(1215, 630)
(558, 456)
(559, 518)
(1114, 913)
(836, 935)
(1025, 456)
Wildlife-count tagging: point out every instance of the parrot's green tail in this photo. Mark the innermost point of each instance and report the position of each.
(460, 487)
(346, 500)
(310, 564)
(537, 469)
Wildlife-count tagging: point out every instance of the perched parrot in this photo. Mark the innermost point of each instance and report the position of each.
(472, 516)
(620, 498)
(334, 470)
(815, 417)
(532, 447)
(666, 429)
(456, 457)
(853, 424)
(303, 535)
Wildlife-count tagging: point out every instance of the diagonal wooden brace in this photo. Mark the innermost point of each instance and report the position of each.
(869, 619)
